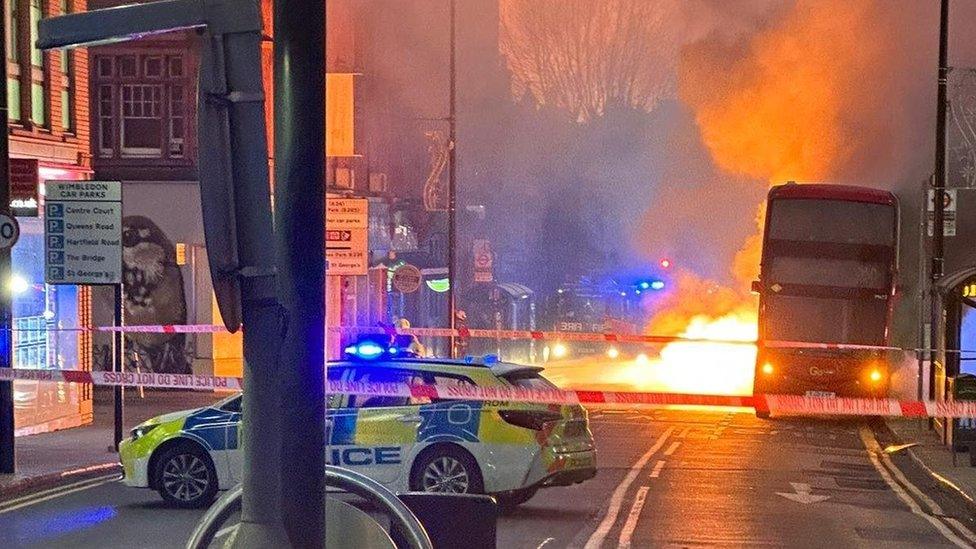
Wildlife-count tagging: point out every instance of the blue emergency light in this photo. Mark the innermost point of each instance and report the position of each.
(366, 350)
(373, 348)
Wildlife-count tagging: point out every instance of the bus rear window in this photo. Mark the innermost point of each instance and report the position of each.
(808, 220)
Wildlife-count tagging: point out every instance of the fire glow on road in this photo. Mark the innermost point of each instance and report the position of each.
(681, 367)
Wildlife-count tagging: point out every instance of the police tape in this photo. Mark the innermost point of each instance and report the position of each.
(478, 333)
(133, 379)
(606, 337)
(771, 403)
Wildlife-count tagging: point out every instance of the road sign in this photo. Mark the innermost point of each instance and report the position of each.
(9, 231)
(949, 207)
(346, 236)
(406, 279)
(483, 261)
(83, 232)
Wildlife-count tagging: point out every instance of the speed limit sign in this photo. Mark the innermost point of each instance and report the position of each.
(9, 231)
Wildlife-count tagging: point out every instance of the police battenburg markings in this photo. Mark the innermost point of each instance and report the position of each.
(83, 232)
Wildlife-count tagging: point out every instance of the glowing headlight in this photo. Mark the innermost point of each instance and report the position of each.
(768, 369)
(875, 375)
(142, 431)
(559, 350)
(612, 352)
(642, 359)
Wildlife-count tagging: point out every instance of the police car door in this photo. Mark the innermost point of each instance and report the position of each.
(385, 429)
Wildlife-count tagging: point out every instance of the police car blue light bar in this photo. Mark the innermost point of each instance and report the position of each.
(367, 350)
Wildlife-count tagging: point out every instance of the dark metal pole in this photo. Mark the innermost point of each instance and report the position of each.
(939, 186)
(7, 453)
(452, 184)
(118, 340)
(299, 115)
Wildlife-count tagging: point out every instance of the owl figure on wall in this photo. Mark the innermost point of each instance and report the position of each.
(154, 295)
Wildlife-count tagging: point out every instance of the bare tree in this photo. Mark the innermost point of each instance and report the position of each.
(586, 55)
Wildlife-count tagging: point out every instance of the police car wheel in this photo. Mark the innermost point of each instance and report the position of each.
(186, 477)
(448, 470)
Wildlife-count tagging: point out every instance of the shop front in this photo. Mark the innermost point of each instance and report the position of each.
(47, 319)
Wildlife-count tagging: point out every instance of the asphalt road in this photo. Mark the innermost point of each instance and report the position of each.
(667, 478)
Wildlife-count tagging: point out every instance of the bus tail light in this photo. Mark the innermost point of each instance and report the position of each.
(875, 375)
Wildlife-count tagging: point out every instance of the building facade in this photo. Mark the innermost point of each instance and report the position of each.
(143, 106)
(48, 127)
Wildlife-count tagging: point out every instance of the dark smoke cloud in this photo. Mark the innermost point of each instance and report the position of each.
(642, 179)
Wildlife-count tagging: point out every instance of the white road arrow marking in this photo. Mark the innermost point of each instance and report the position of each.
(801, 494)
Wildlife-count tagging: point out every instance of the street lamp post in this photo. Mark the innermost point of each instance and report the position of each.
(452, 182)
(7, 454)
(939, 187)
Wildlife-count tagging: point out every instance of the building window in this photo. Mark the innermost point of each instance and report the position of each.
(13, 53)
(142, 120)
(38, 108)
(67, 83)
(176, 121)
(38, 95)
(141, 105)
(37, 57)
(106, 135)
(13, 56)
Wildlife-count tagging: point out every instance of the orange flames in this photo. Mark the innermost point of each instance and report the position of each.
(788, 103)
(814, 90)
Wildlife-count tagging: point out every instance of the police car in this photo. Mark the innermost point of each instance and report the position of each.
(507, 449)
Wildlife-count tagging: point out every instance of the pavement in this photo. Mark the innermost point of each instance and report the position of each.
(51, 459)
(667, 478)
(951, 471)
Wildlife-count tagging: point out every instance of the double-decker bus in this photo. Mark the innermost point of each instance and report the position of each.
(828, 274)
(588, 306)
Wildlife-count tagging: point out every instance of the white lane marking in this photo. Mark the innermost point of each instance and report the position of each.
(53, 493)
(684, 432)
(934, 507)
(672, 448)
(543, 544)
(867, 437)
(657, 469)
(801, 494)
(628, 531)
(617, 498)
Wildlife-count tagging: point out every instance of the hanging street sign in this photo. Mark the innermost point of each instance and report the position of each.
(346, 236)
(83, 232)
(483, 261)
(949, 207)
(406, 279)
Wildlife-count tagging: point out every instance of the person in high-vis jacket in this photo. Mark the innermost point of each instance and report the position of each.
(408, 342)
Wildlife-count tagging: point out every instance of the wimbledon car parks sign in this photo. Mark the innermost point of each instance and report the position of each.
(83, 232)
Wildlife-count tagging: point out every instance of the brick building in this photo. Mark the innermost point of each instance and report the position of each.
(48, 127)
